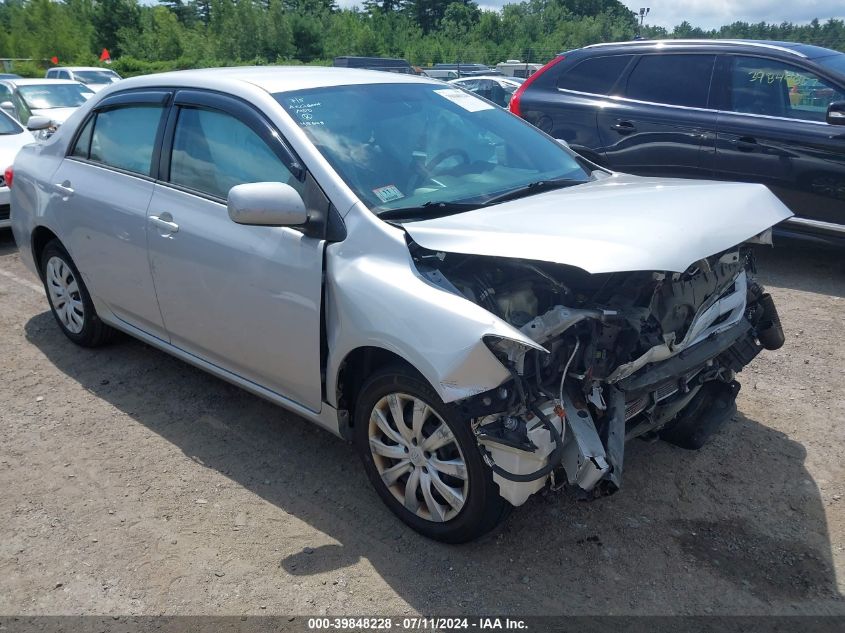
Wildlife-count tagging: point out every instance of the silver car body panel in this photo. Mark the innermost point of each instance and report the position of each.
(377, 298)
(615, 224)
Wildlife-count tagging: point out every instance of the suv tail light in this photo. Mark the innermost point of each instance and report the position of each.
(8, 175)
(514, 104)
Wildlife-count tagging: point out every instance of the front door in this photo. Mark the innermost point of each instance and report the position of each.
(244, 298)
(772, 130)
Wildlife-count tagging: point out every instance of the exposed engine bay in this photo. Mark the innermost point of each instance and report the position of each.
(648, 354)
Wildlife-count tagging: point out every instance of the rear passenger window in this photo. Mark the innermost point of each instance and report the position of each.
(596, 75)
(82, 148)
(213, 152)
(124, 137)
(681, 80)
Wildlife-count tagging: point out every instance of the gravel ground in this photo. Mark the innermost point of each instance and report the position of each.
(133, 483)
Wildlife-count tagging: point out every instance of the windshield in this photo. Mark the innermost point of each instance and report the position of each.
(47, 96)
(401, 145)
(835, 63)
(96, 76)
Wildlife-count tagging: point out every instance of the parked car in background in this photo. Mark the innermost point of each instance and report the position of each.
(9, 76)
(93, 77)
(13, 136)
(516, 68)
(475, 306)
(467, 69)
(55, 99)
(497, 89)
(440, 73)
(753, 111)
(375, 63)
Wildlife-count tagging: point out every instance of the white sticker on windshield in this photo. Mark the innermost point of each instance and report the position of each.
(467, 101)
(388, 193)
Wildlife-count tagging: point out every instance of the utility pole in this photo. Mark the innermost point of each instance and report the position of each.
(644, 11)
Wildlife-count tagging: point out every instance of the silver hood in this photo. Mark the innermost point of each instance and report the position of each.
(616, 224)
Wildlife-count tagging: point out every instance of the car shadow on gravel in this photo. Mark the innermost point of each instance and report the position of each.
(7, 241)
(738, 527)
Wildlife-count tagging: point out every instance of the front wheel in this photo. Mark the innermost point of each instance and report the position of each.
(422, 459)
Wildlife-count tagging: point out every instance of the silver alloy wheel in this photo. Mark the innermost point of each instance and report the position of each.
(65, 295)
(418, 457)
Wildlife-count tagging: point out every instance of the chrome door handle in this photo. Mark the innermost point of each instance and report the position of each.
(624, 127)
(164, 222)
(64, 188)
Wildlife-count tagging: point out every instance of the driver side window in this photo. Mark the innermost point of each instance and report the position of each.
(213, 151)
(773, 88)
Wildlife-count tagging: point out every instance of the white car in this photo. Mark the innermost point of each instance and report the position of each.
(55, 99)
(93, 77)
(494, 88)
(13, 136)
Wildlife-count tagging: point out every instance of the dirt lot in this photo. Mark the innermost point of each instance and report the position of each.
(132, 483)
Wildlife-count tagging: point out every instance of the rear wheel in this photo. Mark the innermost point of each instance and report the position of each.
(422, 459)
(69, 299)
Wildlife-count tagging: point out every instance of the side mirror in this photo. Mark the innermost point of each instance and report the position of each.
(9, 108)
(266, 204)
(836, 113)
(564, 143)
(36, 123)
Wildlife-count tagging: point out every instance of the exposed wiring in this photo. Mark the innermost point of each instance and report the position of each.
(566, 369)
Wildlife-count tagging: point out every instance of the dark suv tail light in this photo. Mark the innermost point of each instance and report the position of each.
(514, 104)
(8, 175)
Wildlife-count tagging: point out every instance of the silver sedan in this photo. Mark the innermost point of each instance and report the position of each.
(481, 311)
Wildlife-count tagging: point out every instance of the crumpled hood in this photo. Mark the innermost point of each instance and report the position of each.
(616, 224)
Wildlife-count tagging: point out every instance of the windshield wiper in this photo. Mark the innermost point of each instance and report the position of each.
(532, 188)
(430, 209)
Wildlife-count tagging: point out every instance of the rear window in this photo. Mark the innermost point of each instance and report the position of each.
(124, 137)
(596, 75)
(681, 80)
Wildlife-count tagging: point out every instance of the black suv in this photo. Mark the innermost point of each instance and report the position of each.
(754, 111)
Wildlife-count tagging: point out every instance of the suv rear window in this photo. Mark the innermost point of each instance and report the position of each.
(681, 80)
(595, 75)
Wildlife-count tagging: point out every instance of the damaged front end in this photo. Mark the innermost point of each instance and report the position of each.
(624, 355)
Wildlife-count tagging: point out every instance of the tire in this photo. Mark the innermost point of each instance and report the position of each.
(454, 463)
(69, 299)
(708, 412)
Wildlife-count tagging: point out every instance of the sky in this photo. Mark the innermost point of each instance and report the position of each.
(714, 13)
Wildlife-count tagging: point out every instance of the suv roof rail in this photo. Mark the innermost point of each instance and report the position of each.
(752, 43)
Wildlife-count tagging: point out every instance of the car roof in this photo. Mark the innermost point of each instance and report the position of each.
(39, 82)
(275, 78)
(477, 77)
(79, 68)
(797, 49)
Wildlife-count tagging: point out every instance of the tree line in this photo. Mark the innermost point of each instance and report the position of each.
(177, 34)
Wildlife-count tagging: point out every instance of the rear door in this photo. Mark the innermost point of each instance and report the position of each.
(101, 190)
(566, 107)
(772, 130)
(663, 125)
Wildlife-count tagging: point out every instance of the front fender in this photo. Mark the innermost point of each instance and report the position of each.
(375, 297)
